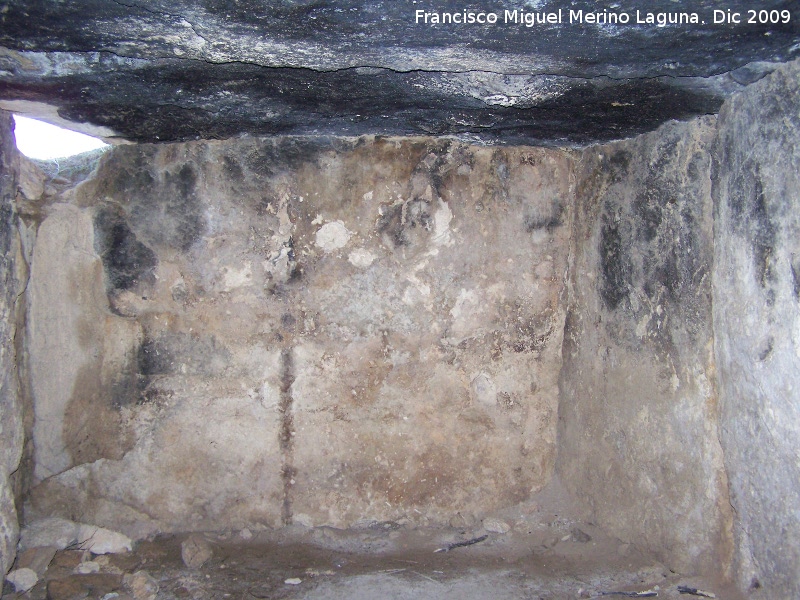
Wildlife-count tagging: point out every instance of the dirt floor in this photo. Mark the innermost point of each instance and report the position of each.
(559, 559)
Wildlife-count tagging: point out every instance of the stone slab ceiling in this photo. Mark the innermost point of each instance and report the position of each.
(170, 70)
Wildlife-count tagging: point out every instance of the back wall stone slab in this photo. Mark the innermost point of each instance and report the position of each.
(313, 331)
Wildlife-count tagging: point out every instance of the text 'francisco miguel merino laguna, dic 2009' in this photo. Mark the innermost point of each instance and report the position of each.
(605, 17)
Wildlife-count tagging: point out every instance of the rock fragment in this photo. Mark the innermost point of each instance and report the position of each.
(99, 540)
(460, 520)
(61, 533)
(53, 532)
(195, 552)
(141, 585)
(77, 587)
(22, 579)
(496, 526)
(37, 559)
(87, 567)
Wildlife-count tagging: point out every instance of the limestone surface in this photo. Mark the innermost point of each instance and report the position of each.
(261, 332)
(638, 440)
(11, 429)
(383, 333)
(757, 323)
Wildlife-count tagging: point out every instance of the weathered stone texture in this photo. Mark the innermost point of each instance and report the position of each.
(11, 435)
(179, 70)
(345, 331)
(74, 344)
(637, 437)
(311, 331)
(757, 323)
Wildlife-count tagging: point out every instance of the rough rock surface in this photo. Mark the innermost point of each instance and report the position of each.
(370, 332)
(77, 348)
(638, 440)
(11, 431)
(176, 70)
(60, 533)
(22, 579)
(757, 321)
(268, 332)
(37, 559)
(141, 585)
(195, 551)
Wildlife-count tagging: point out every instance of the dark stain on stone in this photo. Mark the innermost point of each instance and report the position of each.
(397, 221)
(437, 164)
(161, 207)
(695, 170)
(296, 273)
(127, 262)
(232, 169)
(153, 358)
(125, 388)
(548, 219)
(183, 207)
(288, 322)
(617, 166)
(668, 273)
(390, 225)
(159, 103)
(648, 213)
(418, 214)
(266, 205)
(750, 217)
(531, 332)
(286, 434)
(6, 230)
(795, 267)
(766, 351)
(128, 169)
(770, 299)
(655, 245)
(268, 158)
(615, 266)
(155, 395)
(763, 234)
(93, 428)
(498, 185)
(181, 352)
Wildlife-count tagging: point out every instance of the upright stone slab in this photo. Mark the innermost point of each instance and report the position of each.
(10, 409)
(638, 440)
(757, 324)
(268, 331)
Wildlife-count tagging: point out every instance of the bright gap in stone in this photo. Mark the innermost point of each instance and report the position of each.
(43, 141)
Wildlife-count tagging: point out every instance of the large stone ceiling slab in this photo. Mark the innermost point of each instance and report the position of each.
(167, 70)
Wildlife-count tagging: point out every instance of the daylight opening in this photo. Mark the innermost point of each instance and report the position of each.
(43, 141)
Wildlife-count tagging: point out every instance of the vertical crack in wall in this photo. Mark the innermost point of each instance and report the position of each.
(287, 432)
(23, 477)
